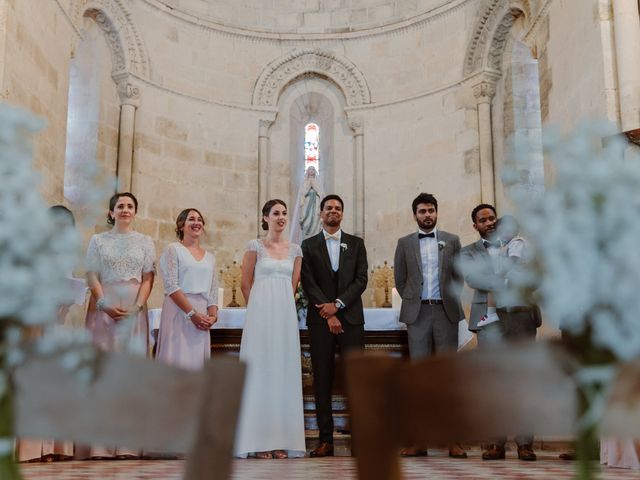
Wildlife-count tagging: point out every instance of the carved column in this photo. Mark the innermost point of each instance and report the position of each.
(263, 165)
(357, 125)
(129, 102)
(626, 24)
(484, 92)
(3, 44)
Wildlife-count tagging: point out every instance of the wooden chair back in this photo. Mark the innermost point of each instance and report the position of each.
(469, 396)
(137, 403)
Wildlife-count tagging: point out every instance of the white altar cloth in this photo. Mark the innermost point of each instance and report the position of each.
(375, 319)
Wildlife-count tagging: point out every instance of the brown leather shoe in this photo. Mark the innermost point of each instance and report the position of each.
(413, 452)
(568, 456)
(494, 452)
(526, 453)
(456, 451)
(324, 449)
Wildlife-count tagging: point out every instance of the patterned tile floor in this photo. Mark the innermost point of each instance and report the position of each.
(436, 466)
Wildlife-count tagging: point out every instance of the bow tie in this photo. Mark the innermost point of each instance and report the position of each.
(425, 235)
(334, 236)
(494, 243)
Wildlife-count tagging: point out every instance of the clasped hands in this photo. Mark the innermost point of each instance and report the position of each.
(202, 321)
(118, 313)
(328, 311)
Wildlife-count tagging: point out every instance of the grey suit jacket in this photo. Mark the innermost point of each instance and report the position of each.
(407, 271)
(477, 268)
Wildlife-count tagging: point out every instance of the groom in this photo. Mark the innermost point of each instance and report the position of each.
(334, 276)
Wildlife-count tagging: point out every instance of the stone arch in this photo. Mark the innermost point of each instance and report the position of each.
(490, 34)
(128, 53)
(292, 65)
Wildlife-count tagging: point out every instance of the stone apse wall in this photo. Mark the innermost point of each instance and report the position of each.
(202, 103)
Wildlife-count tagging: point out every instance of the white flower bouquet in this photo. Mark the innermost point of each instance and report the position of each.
(584, 231)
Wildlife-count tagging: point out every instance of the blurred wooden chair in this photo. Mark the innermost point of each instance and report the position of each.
(134, 402)
(468, 396)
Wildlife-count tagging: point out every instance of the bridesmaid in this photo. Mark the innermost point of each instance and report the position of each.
(120, 269)
(29, 450)
(190, 306)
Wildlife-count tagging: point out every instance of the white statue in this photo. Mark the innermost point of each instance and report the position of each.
(306, 216)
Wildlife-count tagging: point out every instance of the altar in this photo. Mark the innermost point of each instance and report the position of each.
(375, 319)
(383, 332)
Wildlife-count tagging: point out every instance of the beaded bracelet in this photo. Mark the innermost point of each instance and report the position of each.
(100, 304)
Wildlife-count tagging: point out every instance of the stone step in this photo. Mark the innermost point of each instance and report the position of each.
(340, 421)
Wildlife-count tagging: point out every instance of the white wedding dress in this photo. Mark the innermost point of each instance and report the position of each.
(271, 414)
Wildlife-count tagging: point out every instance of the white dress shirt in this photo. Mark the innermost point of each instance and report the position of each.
(430, 270)
(333, 247)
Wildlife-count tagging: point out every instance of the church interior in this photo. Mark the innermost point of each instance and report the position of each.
(221, 105)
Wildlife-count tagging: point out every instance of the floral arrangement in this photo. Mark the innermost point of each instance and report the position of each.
(301, 303)
(35, 256)
(586, 271)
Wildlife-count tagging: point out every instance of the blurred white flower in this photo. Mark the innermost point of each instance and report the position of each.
(6, 446)
(584, 231)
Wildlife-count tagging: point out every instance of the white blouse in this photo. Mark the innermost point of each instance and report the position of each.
(120, 257)
(181, 271)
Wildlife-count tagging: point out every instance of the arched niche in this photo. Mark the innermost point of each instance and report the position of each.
(92, 116)
(508, 98)
(312, 98)
(312, 85)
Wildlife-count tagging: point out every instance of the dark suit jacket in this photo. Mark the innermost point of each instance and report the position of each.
(322, 285)
(407, 270)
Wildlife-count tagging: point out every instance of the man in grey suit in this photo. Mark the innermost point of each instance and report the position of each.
(480, 264)
(429, 285)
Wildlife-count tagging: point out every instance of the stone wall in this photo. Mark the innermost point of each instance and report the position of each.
(402, 69)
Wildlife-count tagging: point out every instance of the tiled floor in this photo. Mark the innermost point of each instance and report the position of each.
(436, 466)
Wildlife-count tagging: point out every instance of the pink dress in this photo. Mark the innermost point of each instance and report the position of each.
(119, 260)
(43, 450)
(180, 343)
(620, 453)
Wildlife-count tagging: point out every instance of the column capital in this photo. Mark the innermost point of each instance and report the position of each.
(356, 123)
(484, 91)
(263, 126)
(129, 92)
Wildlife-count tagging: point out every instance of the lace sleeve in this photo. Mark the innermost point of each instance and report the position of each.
(93, 256)
(149, 256)
(252, 245)
(212, 298)
(295, 250)
(169, 269)
(255, 246)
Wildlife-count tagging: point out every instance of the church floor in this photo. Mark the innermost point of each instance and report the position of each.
(436, 466)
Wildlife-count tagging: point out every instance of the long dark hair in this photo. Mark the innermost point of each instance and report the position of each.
(114, 199)
(266, 210)
(182, 219)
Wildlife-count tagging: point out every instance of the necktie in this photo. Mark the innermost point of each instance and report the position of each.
(425, 235)
(494, 243)
(334, 236)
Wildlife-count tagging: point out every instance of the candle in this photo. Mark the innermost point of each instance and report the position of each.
(220, 297)
(396, 300)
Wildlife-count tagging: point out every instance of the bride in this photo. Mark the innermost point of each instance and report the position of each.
(271, 421)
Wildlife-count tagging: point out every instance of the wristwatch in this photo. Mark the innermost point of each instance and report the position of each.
(339, 305)
(190, 314)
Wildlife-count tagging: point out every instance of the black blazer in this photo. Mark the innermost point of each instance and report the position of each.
(322, 285)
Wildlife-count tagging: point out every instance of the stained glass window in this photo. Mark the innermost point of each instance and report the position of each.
(311, 146)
